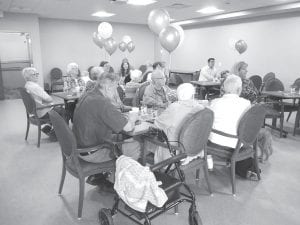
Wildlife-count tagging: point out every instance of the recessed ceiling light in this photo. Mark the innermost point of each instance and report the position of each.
(185, 22)
(140, 2)
(210, 10)
(103, 14)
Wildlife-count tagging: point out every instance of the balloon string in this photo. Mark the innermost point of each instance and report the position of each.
(170, 60)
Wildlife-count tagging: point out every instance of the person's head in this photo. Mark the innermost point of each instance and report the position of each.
(30, 74)
(102, 63)
(106, 66)
(96, 72)
(125, 68)
(211, 62)
(158, 66)
(224, 74)
(240, 69)
(89, 70)
(185, 92)
(107, 82)
(233, 85)
(73, 70)
(125, 60)
(158, 79)
(136, 76)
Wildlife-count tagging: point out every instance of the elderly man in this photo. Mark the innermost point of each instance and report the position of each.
(227, 112)
(41, 98)
(95, 72)
(171, 122)
(157, 94)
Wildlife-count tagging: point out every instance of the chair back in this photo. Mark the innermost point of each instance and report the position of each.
(64, 134)
(196, 75)
(143, 68)
(140, 93)
(269, 76)
(28, 101)
(250, 124)
(55, 74)
(297, 84)
(178, 80)
(274, 85)
(257, 81)
(195, 131)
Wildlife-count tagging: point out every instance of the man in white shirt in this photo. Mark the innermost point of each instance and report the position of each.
(227, 112)
(209, 72)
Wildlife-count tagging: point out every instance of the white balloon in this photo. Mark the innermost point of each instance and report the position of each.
(105, 30)
(181, 33)
(126, 39)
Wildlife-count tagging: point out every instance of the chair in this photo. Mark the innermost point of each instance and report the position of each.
(31, 113)
(71, 160)
(57, 82)
(175, 80)
(274, 85)
(196, 75)
(257, 81)
(247, 131)
(268, 77)
(143, 68)
(140, 93)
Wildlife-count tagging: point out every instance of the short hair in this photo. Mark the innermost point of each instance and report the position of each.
(96, 72)
(28, 72)
(102, 63)
(135, 75)
(71, 66)
(233, 85)
(185, 91)
(210, 59)
(157, 74)
(237, 67)
(107, 76)
(156, 64)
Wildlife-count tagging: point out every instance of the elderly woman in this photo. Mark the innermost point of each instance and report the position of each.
(249, 91)
(41, 98)
(71, 79)
(134, 84)
(171, 122)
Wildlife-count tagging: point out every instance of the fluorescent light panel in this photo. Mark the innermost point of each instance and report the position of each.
(210, 10)
(140, 2)
(103, 14)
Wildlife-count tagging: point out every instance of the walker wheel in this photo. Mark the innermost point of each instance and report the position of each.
(105, 217)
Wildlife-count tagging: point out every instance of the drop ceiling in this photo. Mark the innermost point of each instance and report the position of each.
(178, 10)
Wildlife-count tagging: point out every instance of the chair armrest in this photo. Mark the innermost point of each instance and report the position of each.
(224, 134)
(50, 106)
(168, 161)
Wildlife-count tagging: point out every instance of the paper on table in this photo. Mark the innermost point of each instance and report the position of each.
(141, 128)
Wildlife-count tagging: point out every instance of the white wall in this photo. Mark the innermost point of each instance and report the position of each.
(64, 41)
(273, 45)
(25, 23)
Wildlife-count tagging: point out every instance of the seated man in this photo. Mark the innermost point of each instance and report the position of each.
(96, 118)
(171, 122)
(157, 94)
(227, 112)
(41, 98)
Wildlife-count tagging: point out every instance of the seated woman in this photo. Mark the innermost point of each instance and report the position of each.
(41, 98)
(171, 122)
(71, 78)
(133, 85)
(125, 72)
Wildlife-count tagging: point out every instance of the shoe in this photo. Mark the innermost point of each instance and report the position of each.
(252, 176)
(107, 186)
(46, 129)
(52, 135)
(96, 179)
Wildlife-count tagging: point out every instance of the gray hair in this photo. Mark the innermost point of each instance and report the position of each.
(71, 66)
(233, 85)
(237, 67)
(106, 76)
(96, 72)
(185, 91)
(135, 75)
(28, 73)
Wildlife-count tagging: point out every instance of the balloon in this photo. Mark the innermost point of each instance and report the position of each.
(130, 46)
(169, 38)
(126, 39)
(181, 33)
(241, 46)
(110, 45)
(158, 19)
(105, 30)
(122, 46)
(99, 41)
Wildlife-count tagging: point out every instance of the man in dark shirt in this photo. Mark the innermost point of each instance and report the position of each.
(96, 119)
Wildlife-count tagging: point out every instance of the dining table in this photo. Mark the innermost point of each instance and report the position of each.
(280, 96)
(205, 85)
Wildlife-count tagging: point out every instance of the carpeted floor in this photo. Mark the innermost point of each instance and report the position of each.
(29, 179)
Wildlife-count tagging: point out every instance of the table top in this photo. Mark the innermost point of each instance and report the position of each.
(206, 83)
(140, 129)
(68, 95)
(282, 94)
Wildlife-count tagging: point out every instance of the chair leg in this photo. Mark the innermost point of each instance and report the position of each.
(62, 179)
(197, 174)
(274, 121)
(256, 166)
(39, 135)
(281, 124)
(297, 120)
(205, 168)
(287, 119)
(232, 168)
(81, 196)
(27, 129)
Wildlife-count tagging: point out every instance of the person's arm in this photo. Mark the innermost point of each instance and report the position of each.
(204, 74)
(39, 91)
(149, 97)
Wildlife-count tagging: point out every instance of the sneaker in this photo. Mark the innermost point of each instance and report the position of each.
(46, 129)
(96, 179)
(252, 176)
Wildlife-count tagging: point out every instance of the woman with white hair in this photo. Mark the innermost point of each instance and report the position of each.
(171, 122)
(134, 84)
(71, 80)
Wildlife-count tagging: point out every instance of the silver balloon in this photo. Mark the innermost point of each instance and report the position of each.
(130, 46)
(158, 19)
(110, 45)
(122, 46)
(241, 46)
(99, 41)
(169, 38)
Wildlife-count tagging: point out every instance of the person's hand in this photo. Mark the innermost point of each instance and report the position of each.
(133, 116)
